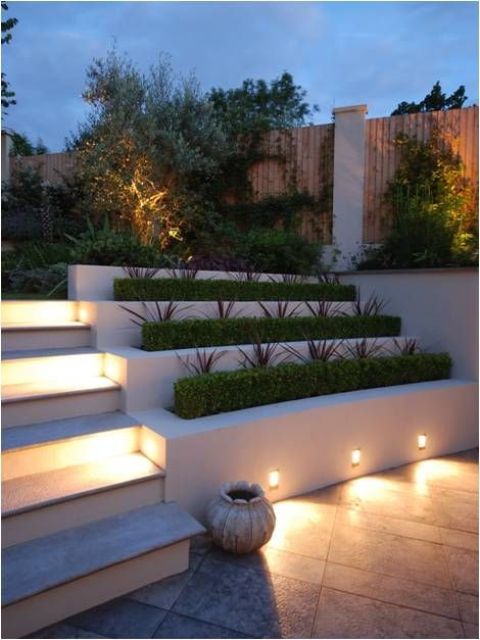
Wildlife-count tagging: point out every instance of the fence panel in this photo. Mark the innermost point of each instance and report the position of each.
(51, 166)
(299, 159)
(458, 127)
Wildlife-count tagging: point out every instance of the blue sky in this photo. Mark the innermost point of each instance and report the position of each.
(342, 53)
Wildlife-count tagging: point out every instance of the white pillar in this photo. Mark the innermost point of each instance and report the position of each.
(348, 181)
(6, 144)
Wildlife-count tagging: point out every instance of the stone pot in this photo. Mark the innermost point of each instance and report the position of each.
(240, 518)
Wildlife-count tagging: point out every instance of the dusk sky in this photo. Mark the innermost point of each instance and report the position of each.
(342, 53)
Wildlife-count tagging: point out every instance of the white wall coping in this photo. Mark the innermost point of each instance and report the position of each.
(171, 426)
(361, 108)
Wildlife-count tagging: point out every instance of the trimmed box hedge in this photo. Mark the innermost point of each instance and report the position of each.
(185, 289)
(213, 393)
(180, 334)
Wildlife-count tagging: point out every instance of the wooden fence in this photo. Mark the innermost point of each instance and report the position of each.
(51, 166)
(302, 159)
(458, 127)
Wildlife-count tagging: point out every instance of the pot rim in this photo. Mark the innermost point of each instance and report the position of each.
(242, 485)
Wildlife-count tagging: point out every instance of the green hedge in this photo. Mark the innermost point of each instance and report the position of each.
(185, 289)
(179, 334)
(231, 390)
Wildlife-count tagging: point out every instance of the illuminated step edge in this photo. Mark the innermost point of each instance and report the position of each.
(10, 327)
(45, 389)
(51, 364)
(39, 311)
(64, 573)
(45, 433)
(43, 489)
(26, 403)
(28, 336)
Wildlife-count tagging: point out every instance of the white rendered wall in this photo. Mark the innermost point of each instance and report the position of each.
(439, 306)
(310, 441)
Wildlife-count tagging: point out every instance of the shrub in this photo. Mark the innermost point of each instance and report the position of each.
(107, 247)
(158, 336)
(278, 251)
(50, 280)
(185, 289)
(228, 391)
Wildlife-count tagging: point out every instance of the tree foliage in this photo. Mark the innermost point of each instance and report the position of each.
(8, 96)
(23, 146)
(436, 100)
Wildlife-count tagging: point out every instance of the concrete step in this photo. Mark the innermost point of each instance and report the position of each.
(46, 446)
(41, 503)
(39, 365)
(23, 336)
(43, 312)
(50, 578)
(24, 404)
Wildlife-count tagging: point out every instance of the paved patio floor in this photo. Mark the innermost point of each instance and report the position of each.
(391, 555)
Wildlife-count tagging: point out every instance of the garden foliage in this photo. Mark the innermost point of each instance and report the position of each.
(232, 390)
(179, 334)
(191, 289)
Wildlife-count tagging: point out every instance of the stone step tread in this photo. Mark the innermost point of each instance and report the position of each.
(41, 390)
(49, 352)
(32, 567)
(40, 433)
(57, 326)
(38, 490)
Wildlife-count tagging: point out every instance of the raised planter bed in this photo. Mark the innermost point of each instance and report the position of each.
(186, 289)
(228, 391)
(158, 336)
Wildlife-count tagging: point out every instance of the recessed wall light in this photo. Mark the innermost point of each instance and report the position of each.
(422, 441)
(356, 456)
(274, 479)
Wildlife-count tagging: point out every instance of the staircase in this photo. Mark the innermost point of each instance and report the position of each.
(83, 517)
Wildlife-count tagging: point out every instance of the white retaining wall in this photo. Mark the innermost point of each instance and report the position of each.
(439, 306)
(310, 441)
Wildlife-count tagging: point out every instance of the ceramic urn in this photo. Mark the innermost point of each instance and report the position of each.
(241, 519)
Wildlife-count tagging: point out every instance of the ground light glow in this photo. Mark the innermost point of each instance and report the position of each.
(274, 479)
(422, 441)
(356, 457)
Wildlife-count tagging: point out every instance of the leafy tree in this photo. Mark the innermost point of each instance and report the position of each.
(8, 96)
(150, 145)
(22, 146)
(258, 106)
(436, 100)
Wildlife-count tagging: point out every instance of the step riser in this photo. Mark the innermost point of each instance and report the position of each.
(65, 453)
(68, 406)
(45, 339)
(39, 312)
(23, 370)
(56, 604)
(72, 513)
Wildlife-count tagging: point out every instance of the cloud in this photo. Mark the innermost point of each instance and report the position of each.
(342, 53)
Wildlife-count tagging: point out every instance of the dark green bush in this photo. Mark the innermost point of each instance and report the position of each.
(178, 334)
(183, 289)
(228, 391)
(278, 251)
(105, 246)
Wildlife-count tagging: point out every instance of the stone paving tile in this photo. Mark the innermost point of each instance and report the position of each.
(201, 544)
(164, 592)
(121, 618)
(463, 566)
(390, 555)
(456, 509)
(386, 524)
(63, 630)
(471, 630)
(468, 606)
(256, 604)
(303, 527)
(392, 590)
(177, 626)
(343, 615)
(371, 495)
(270, 560)
(461, 539)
